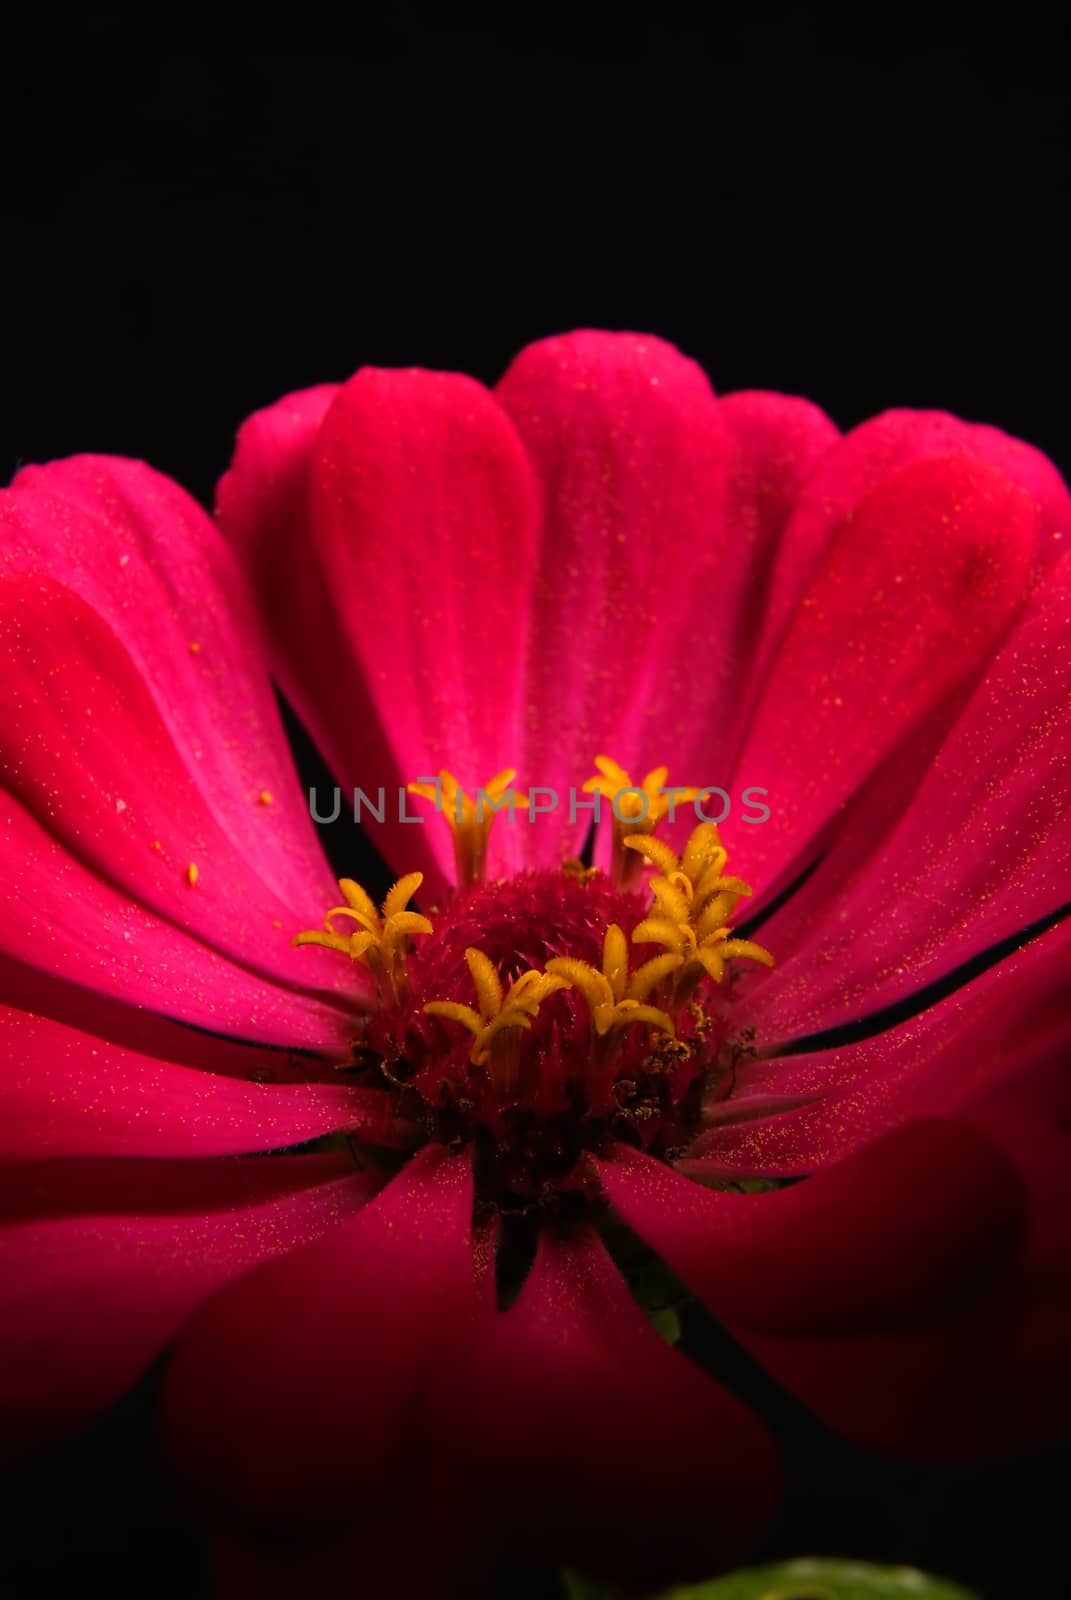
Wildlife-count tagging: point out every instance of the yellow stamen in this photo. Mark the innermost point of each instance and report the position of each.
(693, 901)
(637, 809)
(615, 999)
(500, 1014)
(382, 939)
(470, 817)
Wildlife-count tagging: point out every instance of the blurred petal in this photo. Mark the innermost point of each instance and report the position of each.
(88, 1301)
(881, 1291)
(606, 1447)
(292, 1399)
(896, 1236)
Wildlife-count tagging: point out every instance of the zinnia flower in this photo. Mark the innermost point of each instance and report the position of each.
(812, 1063)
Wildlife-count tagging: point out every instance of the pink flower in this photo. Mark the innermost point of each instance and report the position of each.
(598, 559)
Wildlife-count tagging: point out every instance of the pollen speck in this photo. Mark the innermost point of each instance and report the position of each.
(156, 845)
(192, 873)
(265, 797)
(195, 649)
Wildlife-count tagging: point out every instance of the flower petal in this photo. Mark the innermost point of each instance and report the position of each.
(262, 507)
(982, 851)
(912, 595)
(881, 1291)
(85, 751)
(630, 450)
(934, 1064)
(423, 515)
(88, 1301)
(67, 1093)
(291, 1399)
(606, 1446)
(776, 442)
(855, 1248)
(132, 1027)
(64, 921)
(876, 450)
(141, 553)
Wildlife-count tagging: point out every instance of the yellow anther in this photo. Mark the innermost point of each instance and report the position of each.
(382, 939)
(670, 900)
(692, 903)
(500, 1014)
(487, 983)
(637, 809)
(615, 999)
(656, 851)
(746, 947)
(470, 817)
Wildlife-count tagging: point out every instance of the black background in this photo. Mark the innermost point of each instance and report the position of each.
(869, 220)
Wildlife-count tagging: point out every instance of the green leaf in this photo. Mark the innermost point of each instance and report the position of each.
(809, 1578)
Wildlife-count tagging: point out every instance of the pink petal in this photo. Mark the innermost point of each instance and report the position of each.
(856, 1248)
(68, 1093)
(606, 1448)
(912, 595)
(423, 514)
(87, 1302)
(929, 1395)
(630, 451)
(935, 1064)
(983, 850)
(28, 988)
(262, 507)
(292, 1399)
(872, 453)
(84, 749)
(880, 1291)
(628, 443)
(141, 553)
(66, 922)
(776, 442)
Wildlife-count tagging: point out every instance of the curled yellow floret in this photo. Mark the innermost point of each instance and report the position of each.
(637, 808)
(615, 997)
(470, 816)
(692, 899)
(498, 1016)
(380, 939)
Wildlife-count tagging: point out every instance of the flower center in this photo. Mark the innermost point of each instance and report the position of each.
(556, 1012)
